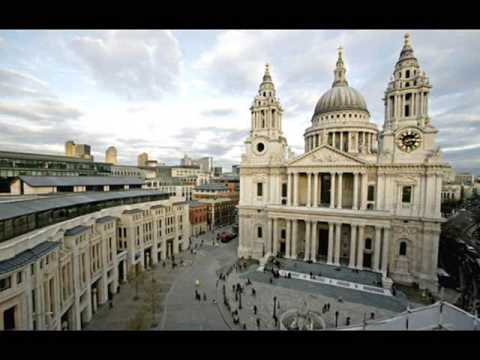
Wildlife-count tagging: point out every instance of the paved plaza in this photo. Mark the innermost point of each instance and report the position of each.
(180, 310)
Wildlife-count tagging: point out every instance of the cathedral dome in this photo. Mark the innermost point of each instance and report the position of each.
(340, 97)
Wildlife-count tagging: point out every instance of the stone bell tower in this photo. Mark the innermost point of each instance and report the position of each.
(265, 143)
(408, 134)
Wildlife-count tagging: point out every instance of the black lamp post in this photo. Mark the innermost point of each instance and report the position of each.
(240, 300)
(274, 307)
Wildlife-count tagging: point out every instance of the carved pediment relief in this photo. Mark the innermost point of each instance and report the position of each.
(326, 155)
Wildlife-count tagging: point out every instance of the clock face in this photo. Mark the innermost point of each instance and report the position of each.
(409, 140)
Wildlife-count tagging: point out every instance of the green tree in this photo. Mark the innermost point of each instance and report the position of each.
(137, 279)
(152, 300)
(139, 322)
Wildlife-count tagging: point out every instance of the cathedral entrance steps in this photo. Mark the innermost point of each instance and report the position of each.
(340, 272)
(333, 282)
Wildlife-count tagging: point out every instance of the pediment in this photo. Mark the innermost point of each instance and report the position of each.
(326, 155)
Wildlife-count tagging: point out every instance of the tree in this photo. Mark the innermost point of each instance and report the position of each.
(139, 322)
(138, 279)
(152, 300)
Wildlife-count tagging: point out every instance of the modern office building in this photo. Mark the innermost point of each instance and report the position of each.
(62, 256)
(111, 155)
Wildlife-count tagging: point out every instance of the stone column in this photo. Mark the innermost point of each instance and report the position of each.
(315, 190)
(355, 191)
(276, 238)
(289, 189)
(333, 139)
(308, 224)
(270, 237)
(341, 141)
(364, 144)
(353, 245)
(288, 239)
(309, 189)
(296, 176)
(330, 244)
(376, 251)
(314, 237)
(319, 197)
(363, 193)
(294, 238)
(385, 248)
(340, 193)
(338, 228)
(361, 246)
(332, 190)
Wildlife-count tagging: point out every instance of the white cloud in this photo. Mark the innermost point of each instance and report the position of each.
(136, 64)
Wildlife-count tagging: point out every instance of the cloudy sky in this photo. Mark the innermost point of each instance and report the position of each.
(174, 92)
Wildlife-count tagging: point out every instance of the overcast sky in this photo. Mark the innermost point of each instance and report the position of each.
(174, 92)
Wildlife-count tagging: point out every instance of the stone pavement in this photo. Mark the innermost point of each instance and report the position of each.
(182, 311)
(292, 293)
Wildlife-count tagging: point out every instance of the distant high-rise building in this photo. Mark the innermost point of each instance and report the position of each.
(70, 148)
(111, 155)
(142, 159)
(186, 161)
(236, 169)
(217, 171)
(205, 163)
(81, 151)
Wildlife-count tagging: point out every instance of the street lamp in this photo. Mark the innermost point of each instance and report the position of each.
(274, 307)
(240, 300)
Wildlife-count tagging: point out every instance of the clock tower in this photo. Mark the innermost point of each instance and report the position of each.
(408, 135)
(265, 144)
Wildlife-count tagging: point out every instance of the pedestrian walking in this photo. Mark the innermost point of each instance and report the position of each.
(204, 297)
(258, 323)
(253, 292)
(271, 280)
(347, 321)
(255, 309)
(110, 299)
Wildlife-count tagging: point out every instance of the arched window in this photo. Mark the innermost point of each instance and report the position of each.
(368, 243)
(403, 248)
(259, 232)
(407, 74)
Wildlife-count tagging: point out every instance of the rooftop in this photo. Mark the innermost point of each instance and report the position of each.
(132, 211)
(39, 181)
(211, 187)
(76, 230)
(196, 203)
(27, 256)
(105, 219)
(10, 210)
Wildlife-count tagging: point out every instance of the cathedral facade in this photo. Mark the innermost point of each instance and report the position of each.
(357, 197)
